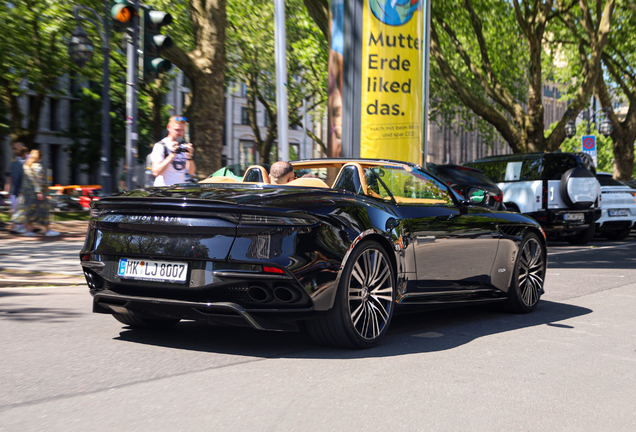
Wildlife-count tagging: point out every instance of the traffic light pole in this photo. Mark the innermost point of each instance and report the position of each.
(132, 51)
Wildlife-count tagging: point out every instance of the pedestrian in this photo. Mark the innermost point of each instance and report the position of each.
(281, 173)
(33, 205)
(19, 152)
(172, 156)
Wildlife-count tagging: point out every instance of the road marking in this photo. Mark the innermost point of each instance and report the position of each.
(591, 249)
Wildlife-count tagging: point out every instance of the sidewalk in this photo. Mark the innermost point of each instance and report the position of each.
(40, 261)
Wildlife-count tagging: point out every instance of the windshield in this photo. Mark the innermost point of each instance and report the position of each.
(406, 185)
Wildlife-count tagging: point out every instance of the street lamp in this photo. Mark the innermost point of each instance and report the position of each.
(605, 128)
(80, 50)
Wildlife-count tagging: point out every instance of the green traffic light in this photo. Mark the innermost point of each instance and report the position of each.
(160, 65)
(153, 43)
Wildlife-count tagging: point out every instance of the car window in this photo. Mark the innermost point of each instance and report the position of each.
(463, 176)
(557, 164)
(527, 168)
(410, 186)
(609, 181)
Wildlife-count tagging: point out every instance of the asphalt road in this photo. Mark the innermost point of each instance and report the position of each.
(570, 366)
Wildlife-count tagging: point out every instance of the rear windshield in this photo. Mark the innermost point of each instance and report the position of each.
(609, 181)
(557, 164)
(463, 176)
(525, 169)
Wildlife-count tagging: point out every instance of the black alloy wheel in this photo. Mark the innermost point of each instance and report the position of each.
(147, 323)
(364, 302)
(529, 275)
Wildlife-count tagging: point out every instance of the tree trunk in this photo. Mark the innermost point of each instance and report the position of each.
(623, 132)
(206, 115)
(205, 68)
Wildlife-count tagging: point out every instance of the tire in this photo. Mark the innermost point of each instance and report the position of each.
(618, 235)
(364, 302)
(148, 323)
(583, 237)
(528, 277)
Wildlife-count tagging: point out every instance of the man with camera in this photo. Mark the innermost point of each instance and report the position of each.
(172, 156)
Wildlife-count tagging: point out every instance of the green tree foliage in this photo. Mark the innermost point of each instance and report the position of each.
(619, 82)
(491, 53)
(604, 147)
(250, 60)
(32, 58)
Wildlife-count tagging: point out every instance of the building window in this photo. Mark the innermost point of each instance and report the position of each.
(54, 114)
(266, 121)
(294, 151)
(243, 91)
(245, 118)
(247, 152)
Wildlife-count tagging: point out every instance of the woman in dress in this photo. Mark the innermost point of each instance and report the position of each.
(33, 205)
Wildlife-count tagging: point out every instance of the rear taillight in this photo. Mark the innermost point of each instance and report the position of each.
(274, 270)
(545, 194)
(498, 198)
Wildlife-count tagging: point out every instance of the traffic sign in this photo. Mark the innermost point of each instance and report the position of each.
(588, 145)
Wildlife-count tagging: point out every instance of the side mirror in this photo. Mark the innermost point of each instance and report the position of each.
(478, 196)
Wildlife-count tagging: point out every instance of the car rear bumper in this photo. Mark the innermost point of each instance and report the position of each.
(556, 222)
(220, 313)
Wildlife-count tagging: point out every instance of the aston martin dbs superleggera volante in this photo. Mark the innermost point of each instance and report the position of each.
(337, 253)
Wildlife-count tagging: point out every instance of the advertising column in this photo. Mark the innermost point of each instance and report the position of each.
(393, 46)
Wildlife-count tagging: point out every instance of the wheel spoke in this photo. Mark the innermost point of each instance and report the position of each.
(357, 313)
(384, 276)
(358, 274)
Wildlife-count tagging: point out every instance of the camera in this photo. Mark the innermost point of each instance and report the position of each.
(182, 148)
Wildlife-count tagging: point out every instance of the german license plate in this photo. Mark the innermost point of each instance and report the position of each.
(574, 217)
(164, 271)
(621, 212)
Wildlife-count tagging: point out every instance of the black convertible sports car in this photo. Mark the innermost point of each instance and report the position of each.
(340, 259)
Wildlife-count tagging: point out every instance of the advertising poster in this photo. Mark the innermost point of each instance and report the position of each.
(336, 50)
(393, 46)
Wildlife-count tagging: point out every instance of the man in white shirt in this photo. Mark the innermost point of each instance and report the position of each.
(172, 157)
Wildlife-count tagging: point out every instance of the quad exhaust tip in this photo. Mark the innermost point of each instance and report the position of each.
(283, 294)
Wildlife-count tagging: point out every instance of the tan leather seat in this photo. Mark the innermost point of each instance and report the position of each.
(262, 174)
(219, 179)
(308, 182)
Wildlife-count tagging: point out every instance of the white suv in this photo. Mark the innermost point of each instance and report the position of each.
(619, 208)
(559, 190)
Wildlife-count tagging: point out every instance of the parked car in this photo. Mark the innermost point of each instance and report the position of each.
(618, 215)
(74, 197)
(559, 190)
(461, 179)
(339, 257)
